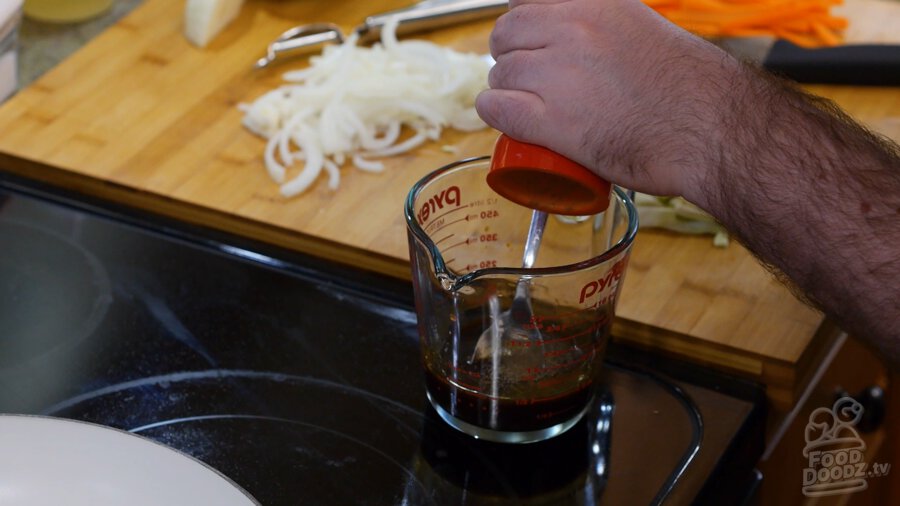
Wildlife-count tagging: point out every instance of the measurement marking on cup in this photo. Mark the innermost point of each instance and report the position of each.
(460, 243)
(444, 224)
(562, 316)
(443, 239)
(545, 342)
(440, 217)
(538, 319)
(559, 353)
(573, 363)
(474, 374)
(592, 328)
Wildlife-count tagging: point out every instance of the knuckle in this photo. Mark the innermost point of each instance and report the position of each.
(503, 32)
(495, 79)
(510, 71)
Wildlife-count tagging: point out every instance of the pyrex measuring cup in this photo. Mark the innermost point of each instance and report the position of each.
(490, 372)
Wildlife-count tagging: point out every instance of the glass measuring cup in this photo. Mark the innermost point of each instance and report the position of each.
(490, 373)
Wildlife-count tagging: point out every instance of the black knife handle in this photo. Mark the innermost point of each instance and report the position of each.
(863, 64)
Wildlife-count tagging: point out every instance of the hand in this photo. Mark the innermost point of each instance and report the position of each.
(614, 86)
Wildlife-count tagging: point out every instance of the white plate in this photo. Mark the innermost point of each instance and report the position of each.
(53, 461)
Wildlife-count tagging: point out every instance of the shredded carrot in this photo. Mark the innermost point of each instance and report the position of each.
(797, 25)
(800, 39)
(703, 5)
(835, 23)
(824, 33)
(805, 22)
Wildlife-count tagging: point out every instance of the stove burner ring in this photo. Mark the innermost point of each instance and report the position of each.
(224, 380)
(53, 294)
(279, 436)
(172, 425)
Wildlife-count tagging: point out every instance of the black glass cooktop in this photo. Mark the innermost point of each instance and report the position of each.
(301, 380)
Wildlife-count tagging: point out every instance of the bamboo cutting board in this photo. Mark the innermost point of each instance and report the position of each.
(141, 117)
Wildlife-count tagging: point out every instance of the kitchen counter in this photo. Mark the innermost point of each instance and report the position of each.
(169, 141)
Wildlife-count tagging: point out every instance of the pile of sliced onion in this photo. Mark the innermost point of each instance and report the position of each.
(359, 104)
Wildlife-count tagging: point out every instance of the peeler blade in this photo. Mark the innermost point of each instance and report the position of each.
(426, 15)
(298, 37)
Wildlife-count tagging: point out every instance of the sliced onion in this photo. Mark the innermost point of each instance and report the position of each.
(307, 140)
(367, 165)
(354, 103)
(334, 174)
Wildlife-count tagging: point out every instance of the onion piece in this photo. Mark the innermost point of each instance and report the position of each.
(306, 138)
(367, 165)
(357, 103)
(334, 174)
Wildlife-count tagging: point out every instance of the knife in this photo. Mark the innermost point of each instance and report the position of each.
(855, 64)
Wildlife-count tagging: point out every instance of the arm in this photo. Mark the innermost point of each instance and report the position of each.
(817, 196)
(615, 87)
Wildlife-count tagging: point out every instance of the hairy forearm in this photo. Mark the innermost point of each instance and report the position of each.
(815, 195)
(617, 88)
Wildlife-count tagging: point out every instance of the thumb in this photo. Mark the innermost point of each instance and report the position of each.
(516, 113)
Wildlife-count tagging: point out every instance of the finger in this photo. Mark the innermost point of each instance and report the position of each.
(514, 112)
(519, 70)
(516, 3)
(519, 29)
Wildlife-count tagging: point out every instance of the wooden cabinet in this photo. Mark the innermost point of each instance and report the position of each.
(854, 369)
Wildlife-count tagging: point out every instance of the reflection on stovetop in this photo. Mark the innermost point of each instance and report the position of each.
(54, 293)
(302, 387)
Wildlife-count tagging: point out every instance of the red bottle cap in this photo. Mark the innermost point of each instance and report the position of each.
(537, 178)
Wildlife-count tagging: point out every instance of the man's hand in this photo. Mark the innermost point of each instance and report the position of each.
(614, 86)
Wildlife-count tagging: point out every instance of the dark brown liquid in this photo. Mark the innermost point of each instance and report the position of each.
(512, 414)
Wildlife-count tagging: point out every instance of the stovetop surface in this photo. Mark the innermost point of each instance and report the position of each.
(303, 384)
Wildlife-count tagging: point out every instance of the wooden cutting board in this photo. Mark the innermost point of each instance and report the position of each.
(141, 117)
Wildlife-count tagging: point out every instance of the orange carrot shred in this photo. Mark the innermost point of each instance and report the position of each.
(805, 22)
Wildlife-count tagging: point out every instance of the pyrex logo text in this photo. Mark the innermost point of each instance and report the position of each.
(447, 197)
(600, 284)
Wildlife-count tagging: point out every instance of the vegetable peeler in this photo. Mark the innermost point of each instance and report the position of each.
(424, 15)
